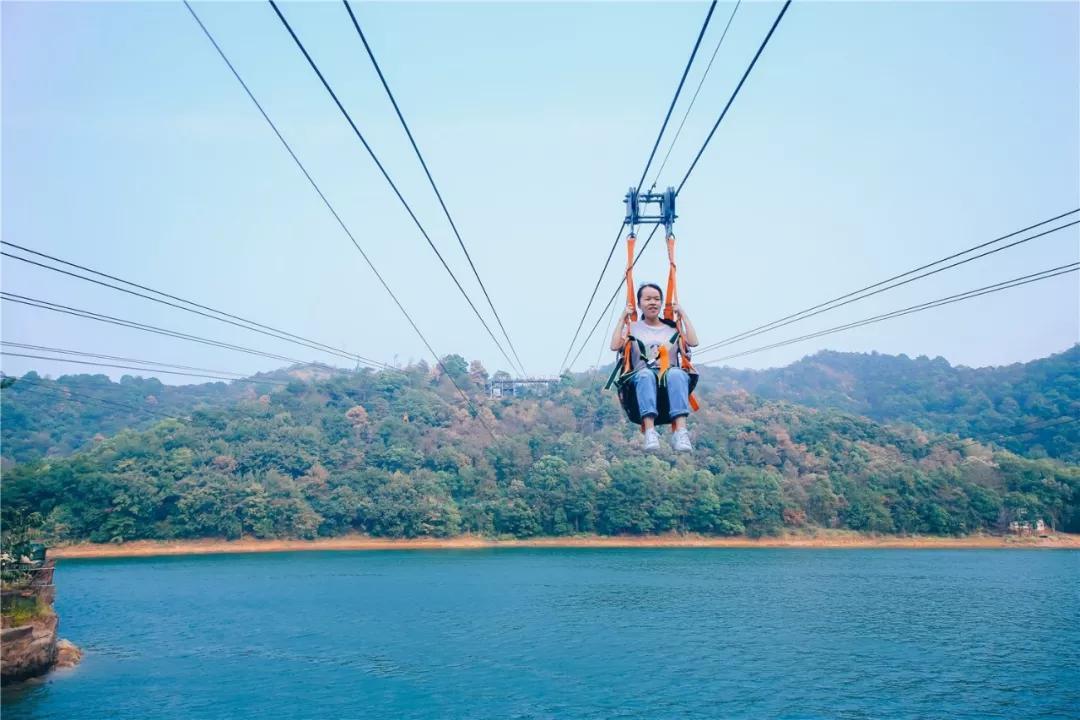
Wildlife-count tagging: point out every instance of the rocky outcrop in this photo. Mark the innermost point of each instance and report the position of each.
(28, 642)
(67, 654)
(28, 650)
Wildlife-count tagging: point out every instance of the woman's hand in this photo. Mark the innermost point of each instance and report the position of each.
(618, 339)
(687, 327)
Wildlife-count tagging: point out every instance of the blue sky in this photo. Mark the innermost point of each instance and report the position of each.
(870, 138)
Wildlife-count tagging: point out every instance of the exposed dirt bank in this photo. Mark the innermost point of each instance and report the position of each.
(149, 548)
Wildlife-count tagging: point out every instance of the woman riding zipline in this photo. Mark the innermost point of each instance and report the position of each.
(654, 341)
(653, 375)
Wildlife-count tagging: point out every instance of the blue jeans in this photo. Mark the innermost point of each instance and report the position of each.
(678, 390)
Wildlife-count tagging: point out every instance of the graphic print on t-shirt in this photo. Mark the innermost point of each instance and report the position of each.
(652, 337)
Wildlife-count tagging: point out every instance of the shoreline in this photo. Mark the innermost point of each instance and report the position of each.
(827, 540)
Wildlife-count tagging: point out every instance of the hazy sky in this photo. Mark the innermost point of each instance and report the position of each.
(871, 138)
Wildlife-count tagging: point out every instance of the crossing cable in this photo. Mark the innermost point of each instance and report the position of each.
(565, 365)
(7, 353)
(690, 107)
(279, 334)
(109, 319)
(1043, 424)
(884, 285)
(388, 179)
(998, 437)
(997, 287)
(738, 87)
(313, 343)
(776, 323)
(1002, 440)
(65, 393)
(337, 217)
(240, 377)
(644, 172)
(431, 180)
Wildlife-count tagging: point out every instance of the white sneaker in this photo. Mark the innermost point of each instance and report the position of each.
(652, 440)
(680, 441)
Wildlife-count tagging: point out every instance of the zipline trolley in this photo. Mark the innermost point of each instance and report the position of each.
(629, 361)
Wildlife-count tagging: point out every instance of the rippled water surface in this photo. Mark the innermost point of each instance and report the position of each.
(606, 633)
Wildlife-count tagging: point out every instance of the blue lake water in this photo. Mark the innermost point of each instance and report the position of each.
(522, 633)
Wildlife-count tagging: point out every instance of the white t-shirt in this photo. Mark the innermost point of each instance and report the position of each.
(653, 337)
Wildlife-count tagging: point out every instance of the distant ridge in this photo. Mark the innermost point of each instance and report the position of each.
(1024, 406)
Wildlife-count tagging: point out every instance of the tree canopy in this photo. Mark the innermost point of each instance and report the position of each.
(401, 454)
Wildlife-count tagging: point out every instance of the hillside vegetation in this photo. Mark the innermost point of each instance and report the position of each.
(399, 454)
(1029, 408)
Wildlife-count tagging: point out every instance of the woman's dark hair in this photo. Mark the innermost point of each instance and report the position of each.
(642, 286)
(656, 287)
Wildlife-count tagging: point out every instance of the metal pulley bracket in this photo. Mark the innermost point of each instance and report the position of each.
(637, 201)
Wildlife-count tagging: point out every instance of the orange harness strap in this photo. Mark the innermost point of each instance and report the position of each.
(669, 314)
(672, 292)
(631, 298)
(665, 361)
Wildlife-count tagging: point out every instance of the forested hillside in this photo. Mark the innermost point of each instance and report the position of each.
(44, 417)
(400, 454)
(1030, 408)
(57, 417)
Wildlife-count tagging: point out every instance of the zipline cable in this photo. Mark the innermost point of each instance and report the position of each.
(644, 172)
(884, 285)
(607, 334)
(109, 319)
(66, 394)
(7, 353)
(619, 287)
(567, 365)
(351, 355)
(431, 180)
(389, 180)
(734, 94)
(99, 356)
(690, 107)
(731, 100)
(678, 90)
(1027, 430)
(978, 292)
(287, 337)
(1043, 425)
(337, 217)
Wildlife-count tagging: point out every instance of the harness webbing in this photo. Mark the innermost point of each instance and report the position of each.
(631, 298)
(669, 314)
(669, 311)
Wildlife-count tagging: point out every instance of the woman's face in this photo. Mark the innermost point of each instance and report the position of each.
(650, 303)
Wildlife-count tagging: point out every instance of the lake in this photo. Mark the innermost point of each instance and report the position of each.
(569, 633)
